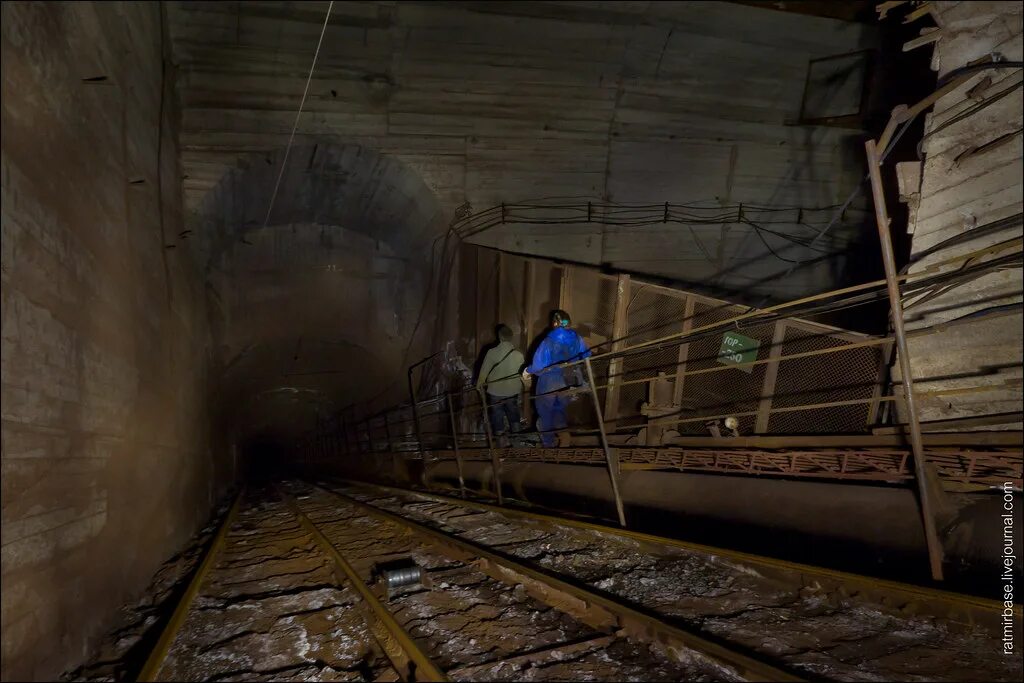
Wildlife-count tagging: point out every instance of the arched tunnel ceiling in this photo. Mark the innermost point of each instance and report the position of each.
(415, 109)
(314, 309)
(494, 102)
(323, 183)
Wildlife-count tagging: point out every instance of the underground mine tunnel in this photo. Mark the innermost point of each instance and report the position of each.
(511, 341)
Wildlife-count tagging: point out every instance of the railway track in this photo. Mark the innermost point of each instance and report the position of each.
(290, 590)
(338, 581)
(816, 623)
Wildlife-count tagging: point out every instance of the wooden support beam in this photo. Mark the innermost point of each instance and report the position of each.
(771, 374)
(684, 351)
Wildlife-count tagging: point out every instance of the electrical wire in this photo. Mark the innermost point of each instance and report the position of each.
(987, 102)
(295, 126)
(974, 233)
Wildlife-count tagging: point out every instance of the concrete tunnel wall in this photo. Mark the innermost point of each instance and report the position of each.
(142, 347)
(110, 462)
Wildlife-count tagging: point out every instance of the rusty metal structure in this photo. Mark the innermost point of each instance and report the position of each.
(670, 367)
(661, 385)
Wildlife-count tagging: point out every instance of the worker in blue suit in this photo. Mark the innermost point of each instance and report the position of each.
(561, 344)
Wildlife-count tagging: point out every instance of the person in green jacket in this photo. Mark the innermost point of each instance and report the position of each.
(501, 382)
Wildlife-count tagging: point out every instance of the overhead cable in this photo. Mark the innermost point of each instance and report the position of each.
(295, 126)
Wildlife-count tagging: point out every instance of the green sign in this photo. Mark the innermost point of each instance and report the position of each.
(738, 349)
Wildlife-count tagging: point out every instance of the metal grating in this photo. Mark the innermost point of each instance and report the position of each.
(833, 377)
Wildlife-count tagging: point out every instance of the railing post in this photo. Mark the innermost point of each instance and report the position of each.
(888, 260)
(611, 458)
(771, 374)
(455, 444)
(387, 432)
(495, 463)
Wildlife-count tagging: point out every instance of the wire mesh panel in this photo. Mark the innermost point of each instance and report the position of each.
(591, 304)
(730, 391)
(841, 376)
(650, 314)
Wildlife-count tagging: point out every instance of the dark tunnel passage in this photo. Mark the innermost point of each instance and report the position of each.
(313, 303)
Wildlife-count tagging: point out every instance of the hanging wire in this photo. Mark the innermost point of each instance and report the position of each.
(295, 126)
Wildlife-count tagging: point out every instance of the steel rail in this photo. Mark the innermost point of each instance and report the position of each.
(592, 608)
(163, 645)
(957, 607)
(409, 660)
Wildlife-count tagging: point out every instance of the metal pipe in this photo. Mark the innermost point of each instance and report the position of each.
(903, 352)
(490, 446)
(455, 446)
(609, 455)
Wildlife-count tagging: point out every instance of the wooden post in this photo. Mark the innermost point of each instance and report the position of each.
(771, 374)
(455, 445)
(888, 260)
(495, 464)
(684, 352)
(611, 458)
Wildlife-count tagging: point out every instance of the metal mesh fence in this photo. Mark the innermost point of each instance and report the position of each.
(684, 386)
(827, 378)
(650, 314)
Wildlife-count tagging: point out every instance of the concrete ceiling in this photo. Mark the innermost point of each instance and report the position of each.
(415, 109)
